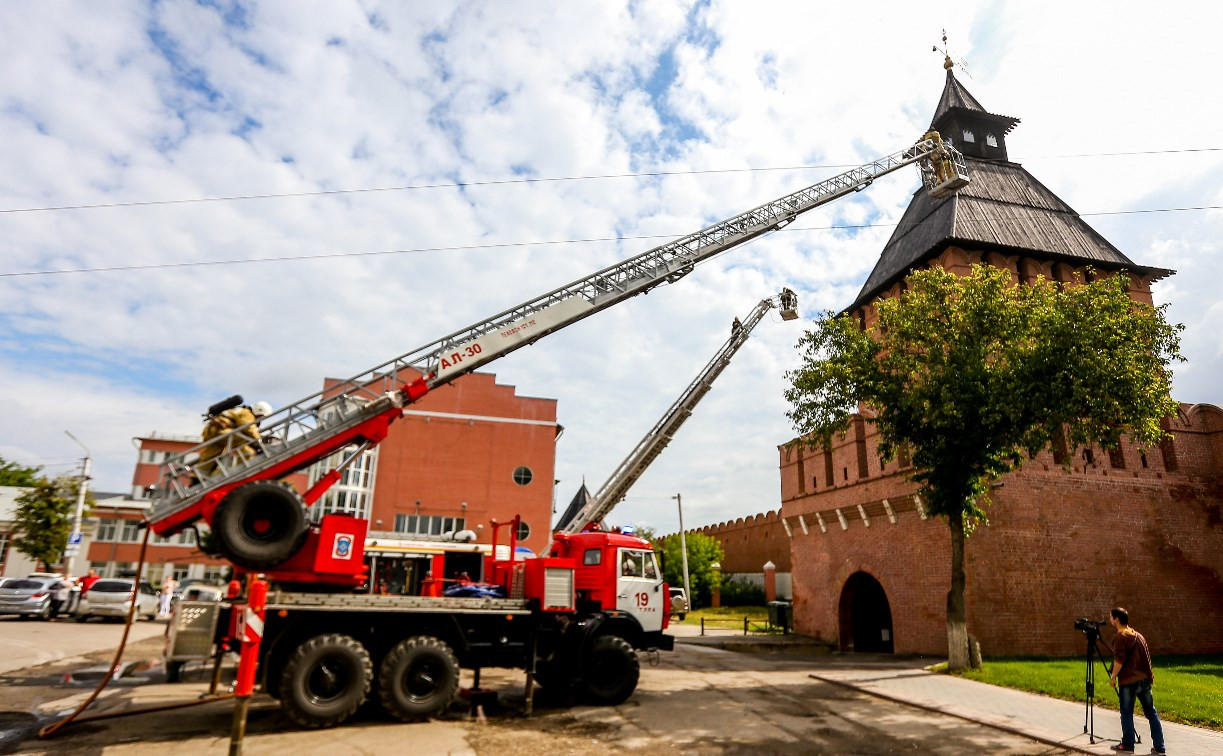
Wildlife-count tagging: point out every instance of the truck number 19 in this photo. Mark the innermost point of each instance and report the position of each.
(643, 599)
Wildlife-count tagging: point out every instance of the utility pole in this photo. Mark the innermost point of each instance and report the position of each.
(683, 549)
(74, 540)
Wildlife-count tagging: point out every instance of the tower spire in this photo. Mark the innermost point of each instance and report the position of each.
(947, 63)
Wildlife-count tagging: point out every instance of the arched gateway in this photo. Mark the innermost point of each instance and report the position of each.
(865, 618)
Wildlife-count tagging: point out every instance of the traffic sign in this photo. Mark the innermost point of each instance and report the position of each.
(74, 539)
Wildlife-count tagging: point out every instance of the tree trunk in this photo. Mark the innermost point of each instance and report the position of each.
(957, 626)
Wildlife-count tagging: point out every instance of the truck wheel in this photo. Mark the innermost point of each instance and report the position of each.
(261, 524)
(418, 678)
(610, 673)
(325, 680)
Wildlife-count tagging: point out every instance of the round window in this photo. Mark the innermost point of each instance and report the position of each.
(524, 531)
(523, 475)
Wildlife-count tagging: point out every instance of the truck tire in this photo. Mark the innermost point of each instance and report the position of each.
(610, 671)
(553, 676)
(418, 678)
(261, 524)
(325, 680)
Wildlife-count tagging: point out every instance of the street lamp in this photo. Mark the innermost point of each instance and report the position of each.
(80, 508)
(683, 548)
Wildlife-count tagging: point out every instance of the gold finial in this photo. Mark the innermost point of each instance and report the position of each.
(947, 64)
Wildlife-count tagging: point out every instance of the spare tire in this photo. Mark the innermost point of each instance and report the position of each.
(261, 524)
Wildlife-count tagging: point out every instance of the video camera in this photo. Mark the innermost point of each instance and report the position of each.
(1084, 625)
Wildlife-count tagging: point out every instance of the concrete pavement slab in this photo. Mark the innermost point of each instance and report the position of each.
(1048, 720)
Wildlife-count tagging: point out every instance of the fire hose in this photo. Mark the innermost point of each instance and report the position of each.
(74, 717)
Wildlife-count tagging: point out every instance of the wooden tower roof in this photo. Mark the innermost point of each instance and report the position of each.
(1004, 208)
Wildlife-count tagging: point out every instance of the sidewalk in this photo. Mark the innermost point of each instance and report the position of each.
(1048, 720)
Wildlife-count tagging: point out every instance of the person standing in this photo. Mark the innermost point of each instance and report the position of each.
(168, 587)
(60, 594)
(1132, 677)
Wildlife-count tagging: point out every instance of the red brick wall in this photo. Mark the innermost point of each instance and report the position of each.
(749, 542)
(444, 462)
(1059, 545)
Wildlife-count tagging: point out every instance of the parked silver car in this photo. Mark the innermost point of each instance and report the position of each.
(112, 597)
(28, 597)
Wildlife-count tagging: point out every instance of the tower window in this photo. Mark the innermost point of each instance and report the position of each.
(968, 136)
(523, 475)
(991, 140)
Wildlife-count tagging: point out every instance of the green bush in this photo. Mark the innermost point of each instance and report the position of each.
(741, 593)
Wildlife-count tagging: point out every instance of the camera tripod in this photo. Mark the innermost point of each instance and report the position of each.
(1093, 650)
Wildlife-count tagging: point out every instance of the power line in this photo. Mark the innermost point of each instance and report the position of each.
(504, 245)
(527, 180)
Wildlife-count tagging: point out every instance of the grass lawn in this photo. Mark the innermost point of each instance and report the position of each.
(1188, 689)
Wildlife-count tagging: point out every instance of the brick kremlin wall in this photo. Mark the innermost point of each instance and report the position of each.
(1141, 530)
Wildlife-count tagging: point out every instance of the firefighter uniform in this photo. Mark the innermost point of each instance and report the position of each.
(234, 445)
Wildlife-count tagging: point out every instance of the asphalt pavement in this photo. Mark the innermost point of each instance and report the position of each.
(907, 680)
(29, 642)
(1054, 723)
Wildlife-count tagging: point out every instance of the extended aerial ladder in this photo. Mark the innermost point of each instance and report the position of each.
(259, 523)
(613, 491)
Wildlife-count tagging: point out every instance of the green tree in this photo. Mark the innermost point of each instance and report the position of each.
(43, 518)
(13, 474)
(703, 552)
(970, 372)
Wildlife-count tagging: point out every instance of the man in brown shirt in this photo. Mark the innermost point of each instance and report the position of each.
(1132, 676)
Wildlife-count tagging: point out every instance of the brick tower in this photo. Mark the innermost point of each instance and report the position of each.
(871, 571)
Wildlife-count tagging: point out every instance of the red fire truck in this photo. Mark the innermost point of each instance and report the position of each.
(573, 618)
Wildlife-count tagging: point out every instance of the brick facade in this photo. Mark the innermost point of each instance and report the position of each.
(1144, 531)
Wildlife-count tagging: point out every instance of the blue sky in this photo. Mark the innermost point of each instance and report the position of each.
(136, 103)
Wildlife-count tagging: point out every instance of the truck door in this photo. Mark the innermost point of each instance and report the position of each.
(639, 588)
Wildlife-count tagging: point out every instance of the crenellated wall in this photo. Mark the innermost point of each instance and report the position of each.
(1139, 529)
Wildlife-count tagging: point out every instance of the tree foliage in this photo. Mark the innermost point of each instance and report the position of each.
(13, 474)
(703, 552)
(973, 372)
(43, 518)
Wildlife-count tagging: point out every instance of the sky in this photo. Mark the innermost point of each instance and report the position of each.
(252, 196)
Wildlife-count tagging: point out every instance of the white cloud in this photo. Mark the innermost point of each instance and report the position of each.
(172, 102)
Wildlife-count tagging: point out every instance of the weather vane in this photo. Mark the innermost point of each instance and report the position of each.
(948, 64)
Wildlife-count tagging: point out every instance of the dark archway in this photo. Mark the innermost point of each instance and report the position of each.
(865, 617)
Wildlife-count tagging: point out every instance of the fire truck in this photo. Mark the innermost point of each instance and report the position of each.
(573, 618)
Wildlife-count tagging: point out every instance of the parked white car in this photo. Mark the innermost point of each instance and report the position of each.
(679, 603)
(112, 597)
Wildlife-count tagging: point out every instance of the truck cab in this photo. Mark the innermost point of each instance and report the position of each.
(617, 574)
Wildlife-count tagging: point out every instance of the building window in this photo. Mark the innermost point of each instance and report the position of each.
(106, 530)
(1116, 458)
(151, 457)
(131, 531)
(428, 525)
(523, 475)
(4, 544)
(968, 136)
(991, 140)
(215, 574)
(524, 530)
(352, 494)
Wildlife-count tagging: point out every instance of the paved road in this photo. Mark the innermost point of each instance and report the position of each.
(696, 700)
(26, 643)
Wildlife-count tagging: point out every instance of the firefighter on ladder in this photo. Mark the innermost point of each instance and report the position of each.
(230, 441)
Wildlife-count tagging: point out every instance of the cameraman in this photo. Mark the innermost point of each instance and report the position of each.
(1132, 670)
